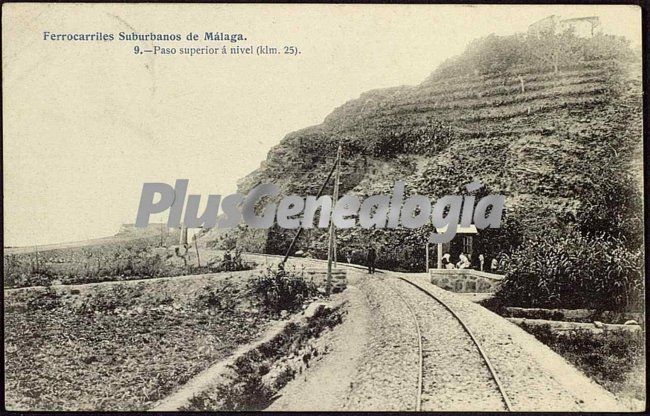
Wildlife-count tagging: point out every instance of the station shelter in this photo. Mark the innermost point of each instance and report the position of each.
(462, 242)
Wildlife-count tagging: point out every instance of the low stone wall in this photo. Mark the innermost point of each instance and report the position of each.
(573, 315)
(465, 280)
(596, 329)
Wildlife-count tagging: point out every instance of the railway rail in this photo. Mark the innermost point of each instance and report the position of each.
(424, 344)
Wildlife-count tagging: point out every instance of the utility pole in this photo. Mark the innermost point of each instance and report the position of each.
(426, 256)
(183, 239)
(36, 252)
(196, 246)
(331, 252)
(337, 177)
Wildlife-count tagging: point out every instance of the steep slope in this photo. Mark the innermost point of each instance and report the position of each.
(546, 140)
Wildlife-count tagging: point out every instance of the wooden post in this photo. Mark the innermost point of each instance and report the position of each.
(196, 246)
(426, 256)
(440, 255)
(335, 198)
(330, 251)
(36, 252)
(328, 284)
(183, 239)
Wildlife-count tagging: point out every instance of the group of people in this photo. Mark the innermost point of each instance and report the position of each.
(465, 263)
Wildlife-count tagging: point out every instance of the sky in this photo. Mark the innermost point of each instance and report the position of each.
(87, 123)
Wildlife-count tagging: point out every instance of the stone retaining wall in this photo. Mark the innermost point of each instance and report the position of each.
(573, 315)
(588, 329)
(465, 280)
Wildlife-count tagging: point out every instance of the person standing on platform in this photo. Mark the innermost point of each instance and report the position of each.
(370, 259)
(446, 262)
(494, 265)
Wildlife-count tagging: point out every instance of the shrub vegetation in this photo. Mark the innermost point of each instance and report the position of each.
(282, 290)
(574, 271)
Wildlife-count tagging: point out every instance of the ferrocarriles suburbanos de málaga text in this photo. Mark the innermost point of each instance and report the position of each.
(140, 37)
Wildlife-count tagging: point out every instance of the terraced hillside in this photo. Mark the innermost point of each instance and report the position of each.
(553, 142)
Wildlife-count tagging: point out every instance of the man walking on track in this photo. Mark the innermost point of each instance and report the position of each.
(370, 259)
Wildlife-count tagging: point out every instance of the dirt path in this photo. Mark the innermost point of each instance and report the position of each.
(324, 386)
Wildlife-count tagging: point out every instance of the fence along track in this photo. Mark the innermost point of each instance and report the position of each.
(487, 361)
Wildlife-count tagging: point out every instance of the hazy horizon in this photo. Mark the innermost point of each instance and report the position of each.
(75, 158)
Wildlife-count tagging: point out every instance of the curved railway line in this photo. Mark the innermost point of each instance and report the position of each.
(427, 346)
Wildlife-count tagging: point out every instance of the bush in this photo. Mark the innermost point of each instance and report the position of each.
(230, 263)
(26, 270)
(278, 290)
(224, 242)
(573, 271)
(615, 206)
(607, 359)
(46, 299)
(245, 392)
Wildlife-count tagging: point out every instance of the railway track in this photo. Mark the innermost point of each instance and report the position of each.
(440, 353)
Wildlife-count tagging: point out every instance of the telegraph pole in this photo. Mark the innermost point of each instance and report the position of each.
(331, 252)
(196, 246)
(337, 177)
(426, 256)
(183, 238)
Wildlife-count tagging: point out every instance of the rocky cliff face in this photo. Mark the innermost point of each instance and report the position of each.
(545, 140)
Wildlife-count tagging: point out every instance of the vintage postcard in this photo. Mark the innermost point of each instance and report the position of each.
(323, 207)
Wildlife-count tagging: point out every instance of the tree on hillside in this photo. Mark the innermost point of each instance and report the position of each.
(555, 49)
(499, 54)
(614, 208)
(602, 46)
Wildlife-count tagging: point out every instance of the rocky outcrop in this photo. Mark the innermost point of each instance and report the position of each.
(539, 137)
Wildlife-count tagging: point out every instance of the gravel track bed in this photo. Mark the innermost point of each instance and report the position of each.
(455, 376)
(534, 377)
(387, 374)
